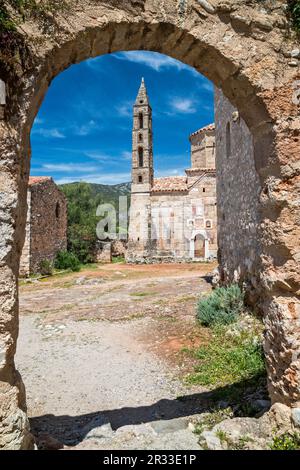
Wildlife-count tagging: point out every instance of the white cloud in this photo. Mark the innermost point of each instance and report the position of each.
(98, 156)
(125, 109)
(154, 60)
(52, 133)
(104, 158)
(108, 178)
(161, 173)
(183, 105)
(86, 129)
(69, 167)
(126, 155)
(38, 120)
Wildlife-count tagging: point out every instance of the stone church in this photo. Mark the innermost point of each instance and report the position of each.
(173, 218)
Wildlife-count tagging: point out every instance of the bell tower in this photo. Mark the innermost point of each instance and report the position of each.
(139, 235)
(142, 152)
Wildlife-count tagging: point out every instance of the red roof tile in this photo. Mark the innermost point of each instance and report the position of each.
(172, 183)
(38, 179)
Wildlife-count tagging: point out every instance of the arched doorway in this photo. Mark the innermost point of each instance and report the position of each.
(211, 40)
(199, 246)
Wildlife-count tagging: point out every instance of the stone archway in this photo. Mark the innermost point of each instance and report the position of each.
(199, 245)
(246, 51)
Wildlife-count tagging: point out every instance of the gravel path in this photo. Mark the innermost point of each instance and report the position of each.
(97, 383)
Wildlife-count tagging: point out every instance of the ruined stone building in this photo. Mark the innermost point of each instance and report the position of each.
(46, 225)
(173, 218)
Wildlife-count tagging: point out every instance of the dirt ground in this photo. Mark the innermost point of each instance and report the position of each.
(106, 343)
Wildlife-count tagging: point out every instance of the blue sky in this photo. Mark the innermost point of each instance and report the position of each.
(83, 129)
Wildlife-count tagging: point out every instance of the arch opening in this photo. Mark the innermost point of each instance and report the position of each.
(249, 89)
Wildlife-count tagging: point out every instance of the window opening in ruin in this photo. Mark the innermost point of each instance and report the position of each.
(228, 140)
(57, 210)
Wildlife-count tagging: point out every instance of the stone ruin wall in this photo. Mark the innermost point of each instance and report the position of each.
(238, 191)
(175, 219)
(25, 256)
(203, 149)
(46, 232)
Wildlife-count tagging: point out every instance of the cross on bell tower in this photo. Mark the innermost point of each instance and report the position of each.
(142, 153)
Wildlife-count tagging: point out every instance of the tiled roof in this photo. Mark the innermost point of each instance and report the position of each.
(38, 179)
(210, 127)
(169, 184)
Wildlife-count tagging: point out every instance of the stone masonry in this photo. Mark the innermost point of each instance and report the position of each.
(172, 218)
(248, 50)
(238, 199)
(46, 226)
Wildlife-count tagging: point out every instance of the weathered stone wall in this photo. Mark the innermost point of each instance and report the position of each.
(238, 192)
(46, 227)
(139, 232)
(249, 51)
(103, 252)
(25, 256)
(203, 148)
(175, 220)
(119, 247)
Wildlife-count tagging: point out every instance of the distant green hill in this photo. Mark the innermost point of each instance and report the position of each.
(102, 192)
(83, 200)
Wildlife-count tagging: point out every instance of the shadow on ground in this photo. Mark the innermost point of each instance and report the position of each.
(71, 430)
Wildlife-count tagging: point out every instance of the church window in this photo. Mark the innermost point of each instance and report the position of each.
(228, 140)
(141, 120)
(140, 179)
(208, 224)
(140, 137)
(204, 190)
(57, 210)
(141, 157)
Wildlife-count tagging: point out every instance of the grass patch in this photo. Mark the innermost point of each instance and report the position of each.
(241, 444)
(209, 420)
(142, 294)
(227, 358)
(222, 306)
(286, 441)
(118, 260)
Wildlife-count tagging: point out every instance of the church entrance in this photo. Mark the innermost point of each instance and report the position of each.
(199, 246)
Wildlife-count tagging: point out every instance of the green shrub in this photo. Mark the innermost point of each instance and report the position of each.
(67, 260)
(222, 306)
(287, 441)
(46, 268)
(294, 13)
